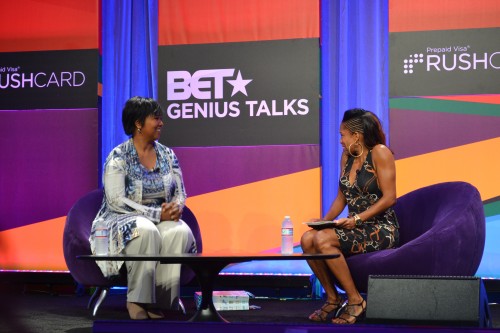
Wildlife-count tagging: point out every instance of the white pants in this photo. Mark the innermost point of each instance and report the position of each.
(149, 281)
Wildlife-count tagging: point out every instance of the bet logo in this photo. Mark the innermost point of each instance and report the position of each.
(205, 84)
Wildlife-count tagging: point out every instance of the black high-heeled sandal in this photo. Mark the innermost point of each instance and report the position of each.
(321, 315)
(349, 311)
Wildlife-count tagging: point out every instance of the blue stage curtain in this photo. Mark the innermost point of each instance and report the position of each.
(129, 63)
(354, 73)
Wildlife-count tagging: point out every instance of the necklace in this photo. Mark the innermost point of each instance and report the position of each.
(361, 162)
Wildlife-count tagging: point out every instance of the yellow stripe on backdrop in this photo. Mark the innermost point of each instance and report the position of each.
(476, 163)
(248, 218)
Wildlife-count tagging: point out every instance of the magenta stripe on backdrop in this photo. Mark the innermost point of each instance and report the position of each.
(208, 169)
(420, 132)
(50, 160)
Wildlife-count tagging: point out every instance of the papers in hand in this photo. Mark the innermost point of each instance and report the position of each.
(321, 224)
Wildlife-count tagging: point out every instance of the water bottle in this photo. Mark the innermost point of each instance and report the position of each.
(101, 238)
(287, 236)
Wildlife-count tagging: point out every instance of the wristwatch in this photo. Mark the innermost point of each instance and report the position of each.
(357, 220)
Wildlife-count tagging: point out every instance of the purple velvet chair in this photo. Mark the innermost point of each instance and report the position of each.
(442, 233)
(76, 242)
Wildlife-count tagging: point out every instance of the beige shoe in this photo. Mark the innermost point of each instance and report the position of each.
(155, 314)
(136, 311)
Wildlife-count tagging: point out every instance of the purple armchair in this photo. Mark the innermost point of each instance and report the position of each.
(76, 242)
(442, 233)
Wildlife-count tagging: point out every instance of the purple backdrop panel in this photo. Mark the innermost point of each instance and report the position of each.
(208, 169)
(50, 160)
(420, 132)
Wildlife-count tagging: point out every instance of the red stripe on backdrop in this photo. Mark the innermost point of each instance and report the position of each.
(411, 15)
(34, 25)
(222, 21)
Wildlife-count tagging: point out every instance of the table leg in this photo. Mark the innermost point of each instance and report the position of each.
(206, 273)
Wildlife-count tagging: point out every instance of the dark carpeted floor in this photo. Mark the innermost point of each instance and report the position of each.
(35, 310)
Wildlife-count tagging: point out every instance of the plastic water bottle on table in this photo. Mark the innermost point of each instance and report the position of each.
(287, 236)
(101, 238)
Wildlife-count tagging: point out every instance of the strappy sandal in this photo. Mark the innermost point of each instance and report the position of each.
(349, 312)
(321, 315)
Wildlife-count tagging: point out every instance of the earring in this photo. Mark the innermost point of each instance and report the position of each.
(358, 144)
(139, 130)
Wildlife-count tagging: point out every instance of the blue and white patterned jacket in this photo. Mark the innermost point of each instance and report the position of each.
(131, 190)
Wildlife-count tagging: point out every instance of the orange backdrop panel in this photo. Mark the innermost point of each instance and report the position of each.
(411, 15)
(248, 218)
(34, 247)
(221, 21)
(450, 165)
(34, 25)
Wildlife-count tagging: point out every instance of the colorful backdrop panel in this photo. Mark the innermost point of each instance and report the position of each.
(445, 102)
(239, 81)
(48, 98)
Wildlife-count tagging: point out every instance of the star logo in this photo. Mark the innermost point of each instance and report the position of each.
(239, 85)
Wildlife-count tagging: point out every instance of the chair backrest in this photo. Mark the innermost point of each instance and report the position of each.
(76, 240)
(192, 222)
(448, 218)
(442, 233)
(434, 206)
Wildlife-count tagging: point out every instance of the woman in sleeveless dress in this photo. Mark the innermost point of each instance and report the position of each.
(367, 186)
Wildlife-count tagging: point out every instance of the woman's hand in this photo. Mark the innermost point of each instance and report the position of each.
(345, 223)
(170, 211)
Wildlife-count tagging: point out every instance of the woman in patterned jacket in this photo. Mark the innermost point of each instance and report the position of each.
(367, 187)
(142, 207)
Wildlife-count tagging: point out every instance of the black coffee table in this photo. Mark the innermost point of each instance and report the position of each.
(207, 267)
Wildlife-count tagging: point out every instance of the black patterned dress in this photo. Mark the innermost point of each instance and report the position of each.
(379, 232)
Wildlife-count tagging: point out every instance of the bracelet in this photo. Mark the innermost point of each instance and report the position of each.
(357, 220)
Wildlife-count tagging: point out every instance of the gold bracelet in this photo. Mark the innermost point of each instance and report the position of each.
(357, 220)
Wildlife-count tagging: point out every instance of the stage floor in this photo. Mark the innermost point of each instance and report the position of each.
(48, 309)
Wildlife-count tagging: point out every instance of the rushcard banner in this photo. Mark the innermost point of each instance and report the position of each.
(445, 62)
(48, 79)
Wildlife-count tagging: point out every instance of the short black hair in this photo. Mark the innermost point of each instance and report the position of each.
(138, 109)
